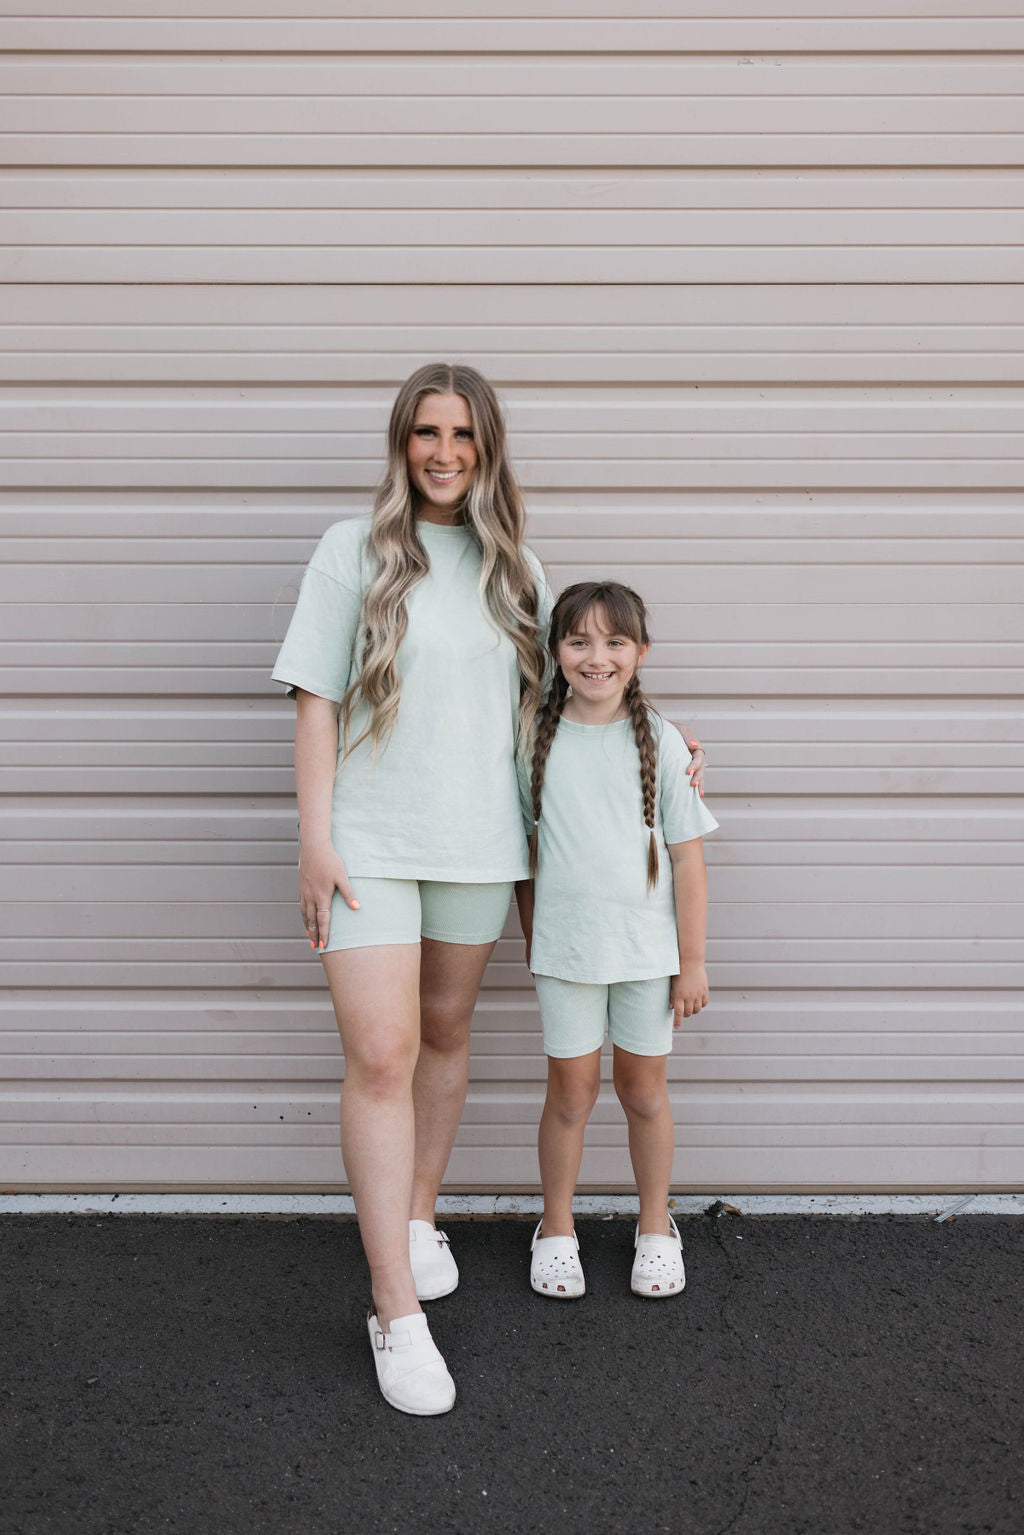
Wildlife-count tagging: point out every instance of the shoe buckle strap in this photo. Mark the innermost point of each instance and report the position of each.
(390, 1340)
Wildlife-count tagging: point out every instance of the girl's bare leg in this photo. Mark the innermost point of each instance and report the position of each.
(376, 1001)
(450, 976)
(642, 1088)
(573, 1086)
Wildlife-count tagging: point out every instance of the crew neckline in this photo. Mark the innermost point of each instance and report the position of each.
(441, 527)
(576, 726)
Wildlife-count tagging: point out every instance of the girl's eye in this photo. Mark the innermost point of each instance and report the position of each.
(424, 431)
(465, 434)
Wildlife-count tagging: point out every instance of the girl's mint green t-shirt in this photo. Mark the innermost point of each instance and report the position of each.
(594, 918)
(439, 800)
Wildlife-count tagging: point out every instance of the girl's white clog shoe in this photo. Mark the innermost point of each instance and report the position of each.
(410, 1371)
(434, 1270)
(658, 1266)
(555, 1267)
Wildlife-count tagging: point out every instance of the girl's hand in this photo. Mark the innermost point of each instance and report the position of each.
(689, 992)
(321, 872)
(695, 770)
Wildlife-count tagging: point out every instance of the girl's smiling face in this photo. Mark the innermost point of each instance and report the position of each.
(442, 456)
(598, 665)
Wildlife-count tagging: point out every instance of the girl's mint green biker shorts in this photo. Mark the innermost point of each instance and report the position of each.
(576, 1015)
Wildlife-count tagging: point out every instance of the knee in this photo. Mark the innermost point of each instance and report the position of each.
(640, 1097)
(573, 1102)
(444, 1026)
(383, 1073)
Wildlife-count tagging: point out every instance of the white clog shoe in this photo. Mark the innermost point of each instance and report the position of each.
(434, 1270)
(658, 1266)
(555, 1267)
(410, 1371)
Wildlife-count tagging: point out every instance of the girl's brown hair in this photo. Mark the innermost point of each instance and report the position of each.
(624, 613)
(493, 513)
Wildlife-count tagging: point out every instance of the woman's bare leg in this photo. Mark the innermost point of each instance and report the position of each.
(642, 1088)
(376, 1001)
(450, 976)
(573, 1086)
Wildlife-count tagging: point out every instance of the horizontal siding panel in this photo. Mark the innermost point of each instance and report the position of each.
(760, 886)
(766, 585)
(797, 524)
(513, 307)
(807, 747)
(57, 541)
(486, 1169)
(347, 85)
(93, 1058)
(755, 824)
(841, 927)
(880, 854)
(615, 151)
(925, 357)
(587, 10)
(895, 669)
(467, 262)
(276, 231)
(771, 965)
(503, 1017)
(744, 35)
(725, 470)
(366, 119)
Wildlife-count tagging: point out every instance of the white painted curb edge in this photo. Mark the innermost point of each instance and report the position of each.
(937, 1206)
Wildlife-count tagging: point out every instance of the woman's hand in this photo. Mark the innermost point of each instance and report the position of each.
(321, 872)
(695, 770)
(689, 992)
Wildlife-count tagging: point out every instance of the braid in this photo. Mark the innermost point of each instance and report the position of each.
(547, 724)
(640, 714)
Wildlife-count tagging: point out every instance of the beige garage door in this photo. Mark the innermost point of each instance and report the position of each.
(748, 277)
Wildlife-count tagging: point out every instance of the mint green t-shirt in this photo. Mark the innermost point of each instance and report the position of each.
(439, 800)
(594, 919)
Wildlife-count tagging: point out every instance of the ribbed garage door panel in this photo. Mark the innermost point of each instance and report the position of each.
(750, 285)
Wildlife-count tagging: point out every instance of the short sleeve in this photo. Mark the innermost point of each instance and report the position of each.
(318, 648)
(545, 607)
(684, 814)
(545, 599)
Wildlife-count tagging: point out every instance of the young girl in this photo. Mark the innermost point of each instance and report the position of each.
(614, 920)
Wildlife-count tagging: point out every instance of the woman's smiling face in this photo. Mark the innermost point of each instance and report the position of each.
(441, 455)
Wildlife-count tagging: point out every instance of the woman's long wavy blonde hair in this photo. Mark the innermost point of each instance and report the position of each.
(493, 511)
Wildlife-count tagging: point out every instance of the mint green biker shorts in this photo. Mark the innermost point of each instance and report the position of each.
(574, 1015)
(405, 910)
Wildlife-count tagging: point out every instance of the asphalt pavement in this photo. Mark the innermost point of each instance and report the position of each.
(818, 1375)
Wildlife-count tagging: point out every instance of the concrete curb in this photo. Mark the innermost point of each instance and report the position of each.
(935, 1206)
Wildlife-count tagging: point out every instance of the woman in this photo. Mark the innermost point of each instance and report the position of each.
(416, 657)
